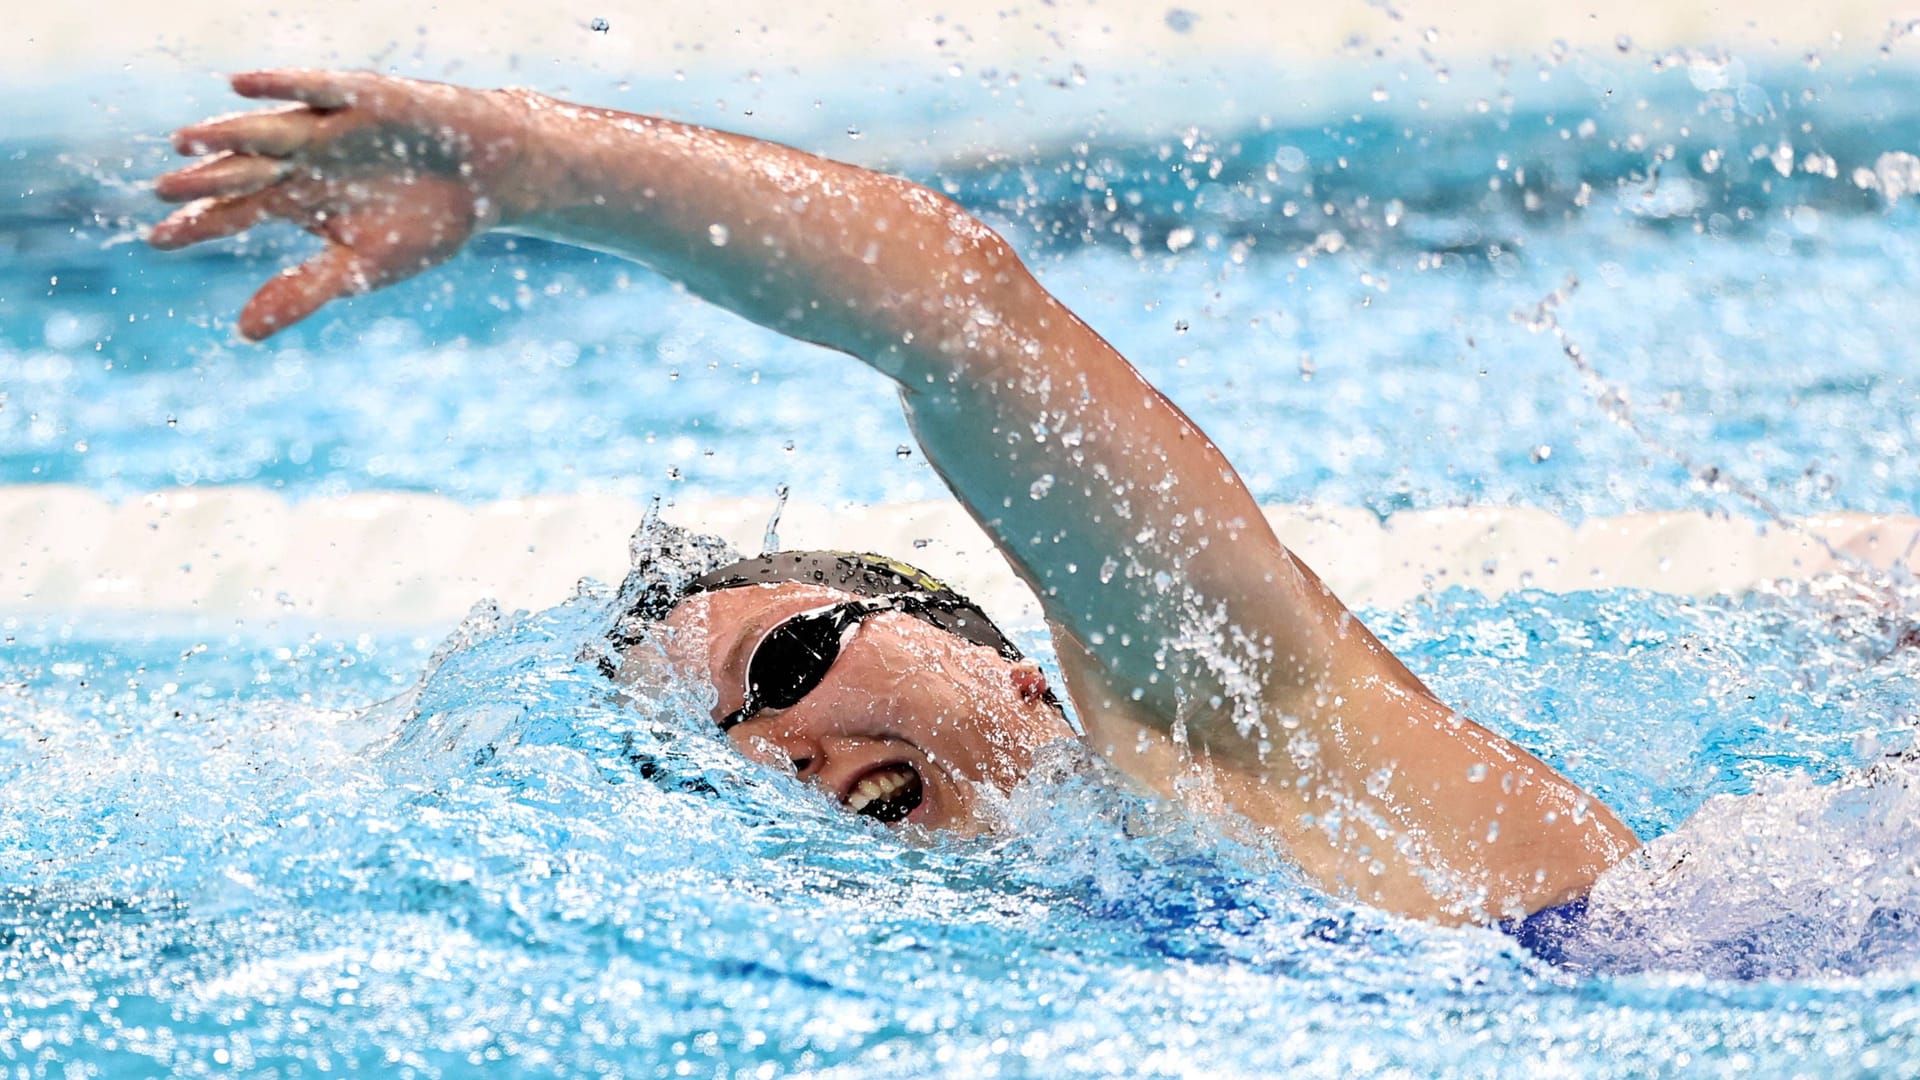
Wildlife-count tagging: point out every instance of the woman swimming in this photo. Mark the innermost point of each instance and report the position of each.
(1200, 655)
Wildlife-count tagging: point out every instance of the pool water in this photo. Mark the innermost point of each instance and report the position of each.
(318, 848)
(217, 854)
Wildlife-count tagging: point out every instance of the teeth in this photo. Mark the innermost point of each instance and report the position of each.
(877, 787)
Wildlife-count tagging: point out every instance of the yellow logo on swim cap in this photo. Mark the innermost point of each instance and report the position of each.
(918, 577)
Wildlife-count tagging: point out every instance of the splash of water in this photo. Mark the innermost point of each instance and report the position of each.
(770, 541)
(1799, 880)
(1894, 584)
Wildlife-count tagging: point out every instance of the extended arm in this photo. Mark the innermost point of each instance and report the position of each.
(1198, 649)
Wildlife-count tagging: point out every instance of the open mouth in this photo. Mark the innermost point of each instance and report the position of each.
(888, 793)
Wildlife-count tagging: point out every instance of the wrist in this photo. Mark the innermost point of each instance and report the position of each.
(529, 176)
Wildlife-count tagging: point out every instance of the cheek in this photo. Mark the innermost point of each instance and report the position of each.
(984, 723)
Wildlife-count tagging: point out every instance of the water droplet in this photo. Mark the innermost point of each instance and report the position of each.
(599, 26)
(853, 131)
(903, 451)
(1540, 453)
(1623, 43)
(1039, 488)
(1782, 158)
(717, 234)
(770, 540)
(1180, 20)
(1290, 158)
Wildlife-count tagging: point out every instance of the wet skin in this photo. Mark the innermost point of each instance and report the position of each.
(966, 720)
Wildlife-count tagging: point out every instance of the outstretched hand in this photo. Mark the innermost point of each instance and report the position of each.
(393, 174)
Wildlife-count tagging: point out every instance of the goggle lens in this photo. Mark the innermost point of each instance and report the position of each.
(795, 656)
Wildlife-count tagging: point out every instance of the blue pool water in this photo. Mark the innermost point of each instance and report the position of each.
(217, 855)
(277, 847)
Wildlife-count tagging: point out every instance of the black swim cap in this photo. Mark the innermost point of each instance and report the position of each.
(866, 575)
(853, 572)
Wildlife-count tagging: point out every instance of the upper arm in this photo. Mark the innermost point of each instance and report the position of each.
(1131, 527)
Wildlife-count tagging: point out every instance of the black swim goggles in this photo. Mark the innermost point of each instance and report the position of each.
(792, 658)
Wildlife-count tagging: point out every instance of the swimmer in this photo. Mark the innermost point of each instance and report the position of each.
(1200, 655)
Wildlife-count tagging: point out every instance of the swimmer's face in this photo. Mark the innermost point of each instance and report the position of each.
(909, 723)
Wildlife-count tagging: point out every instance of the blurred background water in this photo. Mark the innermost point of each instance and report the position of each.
(1344, 296)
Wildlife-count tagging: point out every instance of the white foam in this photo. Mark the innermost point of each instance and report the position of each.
(421, 560)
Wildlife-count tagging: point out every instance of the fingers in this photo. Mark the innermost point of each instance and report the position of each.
(386, 98)
(211, 219)
(276, 132)
(228, 174)
(297, 292)
(320, 89)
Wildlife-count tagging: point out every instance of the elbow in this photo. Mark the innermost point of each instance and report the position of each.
(945, 236)
(954, 275)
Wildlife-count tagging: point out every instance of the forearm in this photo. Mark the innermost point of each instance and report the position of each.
(820, 250)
